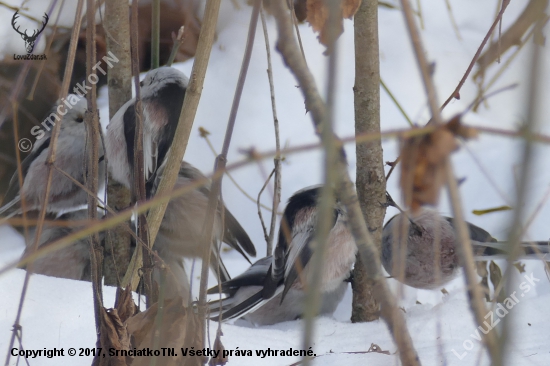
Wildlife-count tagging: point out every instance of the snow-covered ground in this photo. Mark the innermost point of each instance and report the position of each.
(58, 313)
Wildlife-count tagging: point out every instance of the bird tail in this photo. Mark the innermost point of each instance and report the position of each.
(496, 250)
(8, 209)
(232, 308)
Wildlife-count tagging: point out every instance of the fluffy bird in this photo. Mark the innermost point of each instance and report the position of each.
(272, 289)
(71, 158)
(411, 258)
(180, 231)
(71, 262)
(162, 93)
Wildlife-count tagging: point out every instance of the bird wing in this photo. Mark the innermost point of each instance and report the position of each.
(12, 194)
(476, 233)
(253, 276)
(234, 234)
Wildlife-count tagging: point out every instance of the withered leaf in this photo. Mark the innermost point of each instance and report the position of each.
(317, 16)
(171, 333)
(114, 334)
(423, 162)
(124, 304)
(218, 346)
(520, 267)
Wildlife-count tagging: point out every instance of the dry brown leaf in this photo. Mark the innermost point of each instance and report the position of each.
(124, 304)
(218, 346)
(114, 335)
(520, 267)
(423, 166)
(172, 333)
(317, 15)
(423, 162)
(300, 9)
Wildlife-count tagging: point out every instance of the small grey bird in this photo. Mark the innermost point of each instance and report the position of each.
(162, 93)
(272, 289)
(180, 231)
(427, 233)
(71, 262)
(71, 158)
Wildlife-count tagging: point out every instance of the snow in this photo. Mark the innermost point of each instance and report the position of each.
(59, 313)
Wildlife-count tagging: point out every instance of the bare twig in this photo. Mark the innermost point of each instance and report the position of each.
(456, 93)
(396, 102)
(215, 191)
(92, 164)
(277, 182)
(367, 249)
(325, 206)
(295, 23)
(532, 13)
(138, 175)
(180, 38)
(453, 20)
(204, 134)
(266, 234)
(526, 170)
(155, 34)
(464, 249)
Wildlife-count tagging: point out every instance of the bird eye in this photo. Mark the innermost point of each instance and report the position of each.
(79, 119)
(141, 84)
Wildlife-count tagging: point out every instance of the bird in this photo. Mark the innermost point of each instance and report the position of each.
(162, 93)
(71, 158)
(272, 290)
(73, 261)
(180, 231)
(412, 260)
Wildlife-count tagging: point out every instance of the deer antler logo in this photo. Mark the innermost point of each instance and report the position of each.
(29, 40)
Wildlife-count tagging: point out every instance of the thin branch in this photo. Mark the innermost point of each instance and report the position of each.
(526, 172)
(204, 134)
(277, 183)
(456, 92)
(138, 188)
(180, 38)
(266, 235)
(214, 198)
(396, 102)
(295, 23)
(325, 207)
(92, 165)
(453, 20)
(464, 249)
(155, 34)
